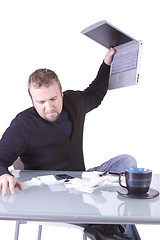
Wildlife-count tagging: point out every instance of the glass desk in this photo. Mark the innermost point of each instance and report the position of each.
(54, 203)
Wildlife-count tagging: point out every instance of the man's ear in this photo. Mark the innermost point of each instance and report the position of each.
(61, 92)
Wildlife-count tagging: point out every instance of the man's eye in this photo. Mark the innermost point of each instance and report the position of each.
(41, 102)
(53, 99)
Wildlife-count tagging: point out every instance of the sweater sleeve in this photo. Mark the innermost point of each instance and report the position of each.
(12, 145)
(96, 91)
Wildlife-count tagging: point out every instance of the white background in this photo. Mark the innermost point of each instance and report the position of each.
(46, 33)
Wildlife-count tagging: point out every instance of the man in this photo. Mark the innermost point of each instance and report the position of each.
(49, 135)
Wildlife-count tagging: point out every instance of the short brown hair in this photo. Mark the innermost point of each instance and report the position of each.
(43, 77)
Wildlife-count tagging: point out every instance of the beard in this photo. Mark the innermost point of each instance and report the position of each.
(51, 116)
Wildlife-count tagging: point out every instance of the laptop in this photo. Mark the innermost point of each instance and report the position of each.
(125, 66)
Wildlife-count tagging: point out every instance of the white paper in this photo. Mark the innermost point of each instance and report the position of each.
(40, 180)
(91, 181)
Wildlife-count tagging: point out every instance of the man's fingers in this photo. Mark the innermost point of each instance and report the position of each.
(8, 181)
(19, 186)
(109, 56)
(112, 51)
(4, 188)
(0, 188)
(14, 183)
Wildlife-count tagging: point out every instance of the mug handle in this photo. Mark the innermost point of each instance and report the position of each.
(120, 175)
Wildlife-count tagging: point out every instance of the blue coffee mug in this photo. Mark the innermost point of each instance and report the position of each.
(138, 180)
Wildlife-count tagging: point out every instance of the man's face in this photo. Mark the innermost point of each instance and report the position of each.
(48, 101)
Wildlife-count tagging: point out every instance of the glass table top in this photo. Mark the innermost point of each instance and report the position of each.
(55, 202)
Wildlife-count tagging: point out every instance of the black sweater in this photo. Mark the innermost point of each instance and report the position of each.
(43, 145)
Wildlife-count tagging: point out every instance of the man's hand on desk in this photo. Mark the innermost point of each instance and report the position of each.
(6, 180)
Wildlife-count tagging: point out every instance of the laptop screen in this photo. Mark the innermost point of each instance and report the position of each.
(106, 35)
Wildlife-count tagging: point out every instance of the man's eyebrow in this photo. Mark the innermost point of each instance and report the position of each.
(54, 97)
(41, 100)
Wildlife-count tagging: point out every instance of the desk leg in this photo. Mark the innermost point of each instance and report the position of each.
(17, 230)
(39, 232)
(84, 236)
(18, 222)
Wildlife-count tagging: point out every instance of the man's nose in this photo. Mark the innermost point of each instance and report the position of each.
(48, 105)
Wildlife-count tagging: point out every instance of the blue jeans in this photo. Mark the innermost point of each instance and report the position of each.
(119, 164)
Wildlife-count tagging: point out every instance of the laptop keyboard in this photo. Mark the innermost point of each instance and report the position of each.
(124, 62)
